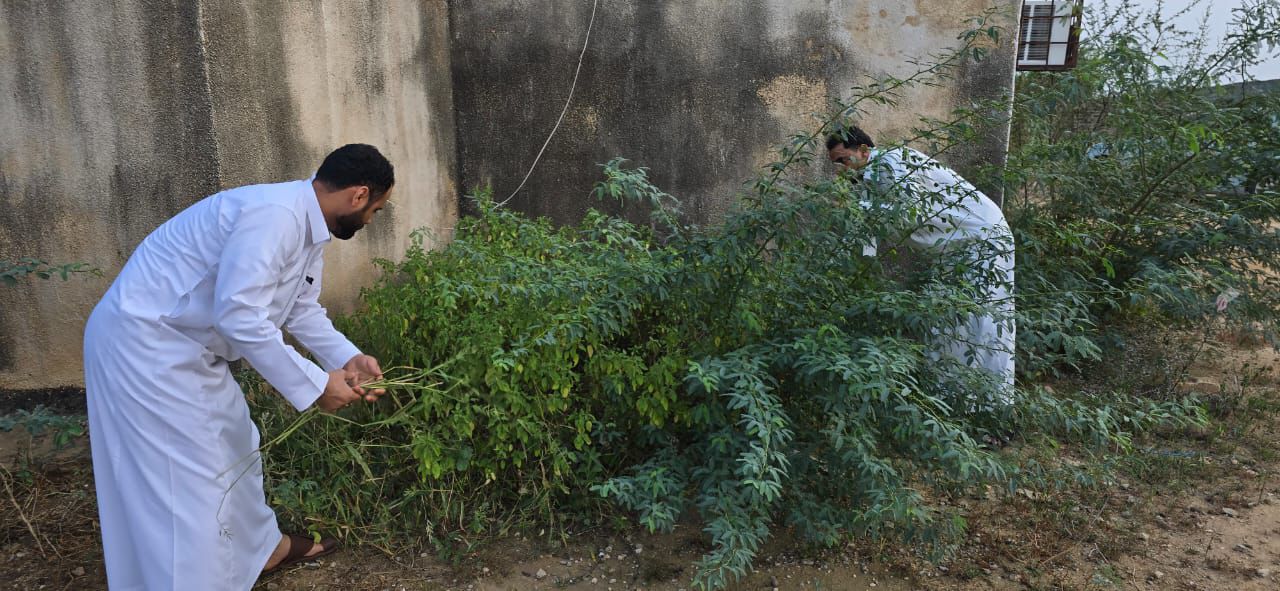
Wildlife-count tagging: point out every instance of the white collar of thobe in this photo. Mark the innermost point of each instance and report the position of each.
(315, 216)
(871, 157)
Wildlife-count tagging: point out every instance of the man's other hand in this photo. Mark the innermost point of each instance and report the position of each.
(366, 369)
(338, 391)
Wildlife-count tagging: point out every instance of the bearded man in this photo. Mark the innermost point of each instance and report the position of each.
(178, 476)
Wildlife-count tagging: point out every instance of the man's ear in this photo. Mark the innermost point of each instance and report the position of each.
(359, 196)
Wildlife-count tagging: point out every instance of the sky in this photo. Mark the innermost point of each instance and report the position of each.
(1219, 18)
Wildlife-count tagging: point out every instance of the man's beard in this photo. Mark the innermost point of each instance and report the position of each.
(347, 225)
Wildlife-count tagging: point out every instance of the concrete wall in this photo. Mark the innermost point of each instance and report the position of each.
(699, 91)
(118, 115)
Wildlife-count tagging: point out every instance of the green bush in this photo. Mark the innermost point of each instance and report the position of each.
(41, 420)
(13, 271)
(532, 329)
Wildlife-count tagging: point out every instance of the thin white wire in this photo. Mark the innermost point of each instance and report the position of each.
(563, 111)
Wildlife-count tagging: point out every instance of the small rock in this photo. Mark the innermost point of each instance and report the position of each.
(612, 581)
(78, 571)
(594, 580)
(639, 548)
(485, 570)
(1229, 512)
(807, 562)
(1157, 575)
(1145, 537)
(1263, 573)
(564, 562)
(1243, 548)
(541, 574)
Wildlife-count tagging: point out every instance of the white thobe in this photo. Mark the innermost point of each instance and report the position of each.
(953, 216)
(178, 478)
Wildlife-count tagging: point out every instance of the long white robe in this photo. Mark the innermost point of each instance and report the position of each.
(179, 482)
(954, 216)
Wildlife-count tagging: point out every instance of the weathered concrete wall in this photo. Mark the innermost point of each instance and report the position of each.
(116, 116)
(290, 81)
(699, 91)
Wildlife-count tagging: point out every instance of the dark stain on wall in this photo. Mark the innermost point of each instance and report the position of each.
(181, 117)
(369, 73)
(674, 94)
(683, 105)
(431, 63)
(248, 79)
(983, 80)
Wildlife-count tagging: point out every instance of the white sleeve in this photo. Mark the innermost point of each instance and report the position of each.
(249, 270)
(309, 323)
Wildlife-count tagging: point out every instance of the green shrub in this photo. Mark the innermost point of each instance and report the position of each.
(13, 271)
(1140, 189)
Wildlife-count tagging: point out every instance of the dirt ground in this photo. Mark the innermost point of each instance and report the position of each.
(1201, 515)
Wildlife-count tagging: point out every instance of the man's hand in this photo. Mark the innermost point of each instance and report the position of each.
(337, 391)
(366, 369)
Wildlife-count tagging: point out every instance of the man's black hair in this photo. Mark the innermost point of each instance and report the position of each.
(357, 164)
(851, 136)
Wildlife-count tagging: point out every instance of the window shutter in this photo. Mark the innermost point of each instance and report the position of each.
(1049, 36)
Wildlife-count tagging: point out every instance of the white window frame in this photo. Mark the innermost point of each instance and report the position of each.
(1063, 20)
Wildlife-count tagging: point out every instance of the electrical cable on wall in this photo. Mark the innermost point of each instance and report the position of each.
(572, 86)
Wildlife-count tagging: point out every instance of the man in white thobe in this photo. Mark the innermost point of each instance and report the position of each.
(179, 480)
(952, 217)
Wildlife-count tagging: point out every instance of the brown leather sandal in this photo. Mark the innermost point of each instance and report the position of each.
(298, 548)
